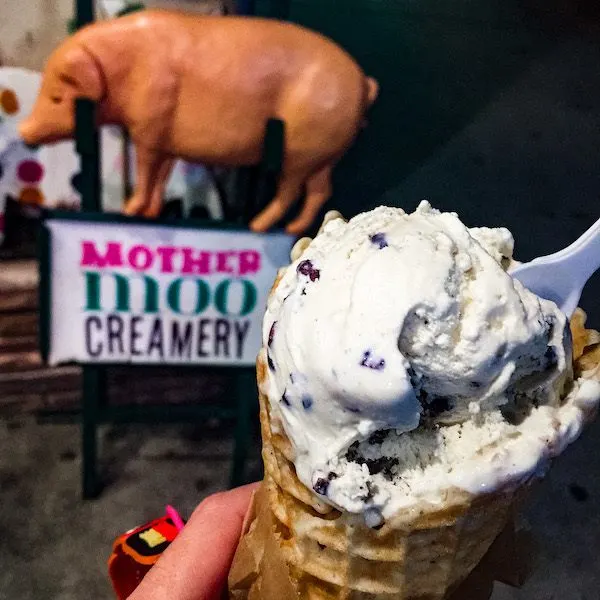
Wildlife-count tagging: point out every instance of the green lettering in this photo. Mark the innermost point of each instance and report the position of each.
(123, 293)
(174, 296)
(93, 295)
(92, 291)
(248, 301)
(151, 294)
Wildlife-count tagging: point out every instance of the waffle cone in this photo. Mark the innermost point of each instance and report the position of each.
(294, 546)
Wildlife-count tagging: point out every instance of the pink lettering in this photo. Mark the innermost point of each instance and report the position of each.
(249, 262)
(91, 257)
(140, 257)
(195, 265)
(166, 256)
(223, 265)
(170, 259)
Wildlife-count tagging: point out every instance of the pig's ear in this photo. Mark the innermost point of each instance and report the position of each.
(82, 73)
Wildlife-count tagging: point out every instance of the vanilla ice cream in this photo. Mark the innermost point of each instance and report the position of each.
(403, 361)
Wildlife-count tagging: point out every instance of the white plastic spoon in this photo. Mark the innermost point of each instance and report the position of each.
(561, 276)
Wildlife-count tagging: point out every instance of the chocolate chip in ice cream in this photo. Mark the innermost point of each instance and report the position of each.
(379, 240)
(306, 268)
(378, 436)
(321, 486)
(352, 454)
(383, 465)
(436, 407)
(371, 362)
(307, 401)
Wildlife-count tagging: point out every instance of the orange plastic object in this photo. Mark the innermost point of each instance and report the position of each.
(135, 552)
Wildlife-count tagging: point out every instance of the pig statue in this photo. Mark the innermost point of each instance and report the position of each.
(202, 88)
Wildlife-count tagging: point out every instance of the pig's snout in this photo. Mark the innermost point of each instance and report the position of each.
(47, 129)
(28, 132)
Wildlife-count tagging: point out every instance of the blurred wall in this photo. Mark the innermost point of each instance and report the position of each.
(31, 29)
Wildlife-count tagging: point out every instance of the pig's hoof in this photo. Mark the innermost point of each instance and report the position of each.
(133, 208)
(153, 212)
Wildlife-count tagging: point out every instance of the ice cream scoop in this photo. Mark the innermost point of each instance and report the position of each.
(396, 322)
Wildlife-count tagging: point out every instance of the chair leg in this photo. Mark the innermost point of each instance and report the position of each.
(246, 394)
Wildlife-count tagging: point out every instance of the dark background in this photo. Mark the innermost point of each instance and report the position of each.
(490, 108)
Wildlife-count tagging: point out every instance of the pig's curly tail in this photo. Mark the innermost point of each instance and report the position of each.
(371, 91)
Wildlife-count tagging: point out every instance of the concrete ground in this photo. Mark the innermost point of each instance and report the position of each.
(543, 135)
(54, 545)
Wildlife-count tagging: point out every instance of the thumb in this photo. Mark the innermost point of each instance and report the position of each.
(195, 566)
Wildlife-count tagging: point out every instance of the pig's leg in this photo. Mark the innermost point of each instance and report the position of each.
(287, 192)
(318, 191)
(158, 190)
(148, 164)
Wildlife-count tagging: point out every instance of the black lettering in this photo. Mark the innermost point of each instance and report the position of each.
(156, 339)
(134, 335)
(114, 327)
(202, 337)
(181, 344)
(241, 331)
(88, 336)
(222, 337)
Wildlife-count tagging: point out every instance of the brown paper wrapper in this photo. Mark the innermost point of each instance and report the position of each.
(258, 548)
(262, 570)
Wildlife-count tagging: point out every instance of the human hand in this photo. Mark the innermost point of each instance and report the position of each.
(195, 566)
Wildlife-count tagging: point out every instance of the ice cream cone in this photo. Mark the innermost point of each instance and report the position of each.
(421, 555)
(296, 546)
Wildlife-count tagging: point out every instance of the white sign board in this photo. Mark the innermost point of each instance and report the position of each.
(157, 294)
